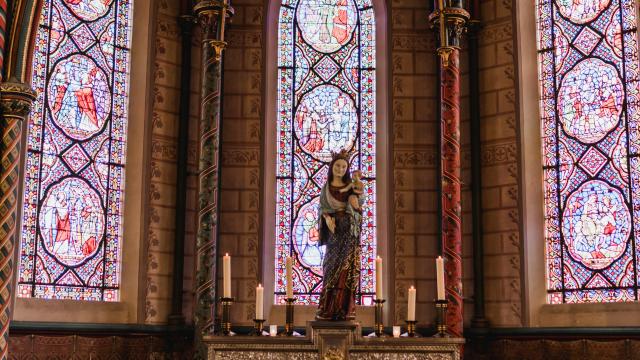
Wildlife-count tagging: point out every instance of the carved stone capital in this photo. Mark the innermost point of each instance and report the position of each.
(16, 99)
(212, 16)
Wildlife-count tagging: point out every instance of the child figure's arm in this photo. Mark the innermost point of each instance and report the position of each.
(346, 188)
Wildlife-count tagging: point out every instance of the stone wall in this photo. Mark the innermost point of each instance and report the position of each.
(241, 154)
(500, 170)
(415, 122)
(163, 162)
(415, 159)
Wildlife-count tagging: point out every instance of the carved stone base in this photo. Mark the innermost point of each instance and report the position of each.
(332, 340)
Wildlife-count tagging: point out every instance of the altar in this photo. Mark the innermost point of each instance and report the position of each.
(326, 340)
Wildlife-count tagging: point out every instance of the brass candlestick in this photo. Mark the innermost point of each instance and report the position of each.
(441, 320)
(379, 327)
(258, 327)
(288, 326)
(411, 328)
(226, 315)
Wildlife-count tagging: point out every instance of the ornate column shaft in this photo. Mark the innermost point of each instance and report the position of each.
(212, 16)
(450, 18)
(15, 104)
(3, 31)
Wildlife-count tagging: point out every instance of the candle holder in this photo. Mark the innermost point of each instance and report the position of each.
(441, 319)
(258, 327)
(288, 326)
(378, 326)
(411, 328)
(226, 315)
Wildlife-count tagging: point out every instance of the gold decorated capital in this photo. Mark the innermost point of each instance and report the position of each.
(217, 46)
(212, 17)
(16, 100)
(450, 24)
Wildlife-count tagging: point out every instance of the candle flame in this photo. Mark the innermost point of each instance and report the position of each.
(226, 254)
(411, 287)
(259, 285)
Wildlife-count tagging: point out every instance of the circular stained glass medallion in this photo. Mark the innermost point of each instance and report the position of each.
(326, 120)
(88, 10)
(71, 221)
(590, 100)
(306, 237)
(596, 224)
(581, 11)
(79, 97)
(326, 25)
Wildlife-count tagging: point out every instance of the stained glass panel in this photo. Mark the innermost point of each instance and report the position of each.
(588, 68)
(326, 102)
(74, 176)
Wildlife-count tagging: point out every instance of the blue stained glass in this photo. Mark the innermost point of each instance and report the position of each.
(589, 88)
(73, 193)
(326, 102)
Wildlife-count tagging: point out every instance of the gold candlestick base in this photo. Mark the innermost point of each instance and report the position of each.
(288, 326)
(411, 328)
(378, 327)
(441, 320)
(258, 327)
(226, 316)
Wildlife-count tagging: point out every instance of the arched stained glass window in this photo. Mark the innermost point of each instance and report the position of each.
(326, 102)
(74, 180)
(588, 68)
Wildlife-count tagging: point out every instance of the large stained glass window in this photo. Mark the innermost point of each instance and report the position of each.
(588, 67)
(74, 179)
(326, 102)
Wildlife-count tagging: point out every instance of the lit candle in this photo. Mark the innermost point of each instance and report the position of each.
(226, 276)
(440, 277)
(273, 330)
(378, 278)
(411, 309)
(260, 302)
(289, 272)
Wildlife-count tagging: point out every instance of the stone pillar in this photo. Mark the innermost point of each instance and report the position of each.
(15, 104)
(450, 18)
(212, 16)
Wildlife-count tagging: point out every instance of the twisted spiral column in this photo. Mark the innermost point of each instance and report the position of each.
(450, 19)
(3, 31)
(451, 209)
(211, 16)
(15, 104)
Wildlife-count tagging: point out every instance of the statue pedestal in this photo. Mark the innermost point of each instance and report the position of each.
(332, 340)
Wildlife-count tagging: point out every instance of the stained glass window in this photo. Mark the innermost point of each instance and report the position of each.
(74, 180)
(588, 68)
(326, 102)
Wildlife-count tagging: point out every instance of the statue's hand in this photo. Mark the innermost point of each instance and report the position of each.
(331, 223)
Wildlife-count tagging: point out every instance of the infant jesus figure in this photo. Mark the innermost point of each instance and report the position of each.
(357, 188)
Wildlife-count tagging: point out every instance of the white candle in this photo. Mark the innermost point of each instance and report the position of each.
(289, 273)
(273, 330)
(440, 277)
(226, 276)
(396, 331)
(411, 309)
(260, 302)
(378, 278)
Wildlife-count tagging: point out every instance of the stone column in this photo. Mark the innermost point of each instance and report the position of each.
(15, 104)
(212, 16)
(449, 17)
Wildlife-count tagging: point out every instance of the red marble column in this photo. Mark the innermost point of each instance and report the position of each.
(451, 209)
